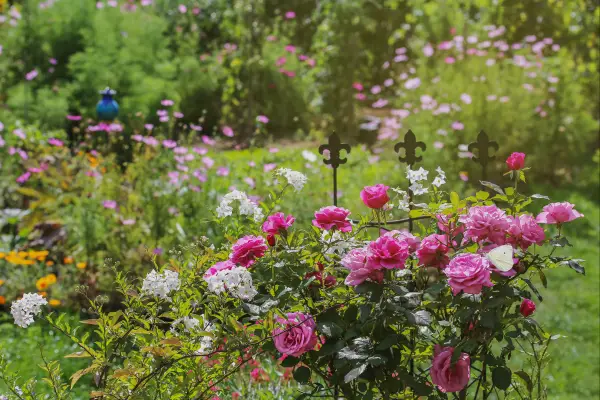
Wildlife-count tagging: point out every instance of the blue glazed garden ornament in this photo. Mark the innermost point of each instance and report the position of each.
(107, 109)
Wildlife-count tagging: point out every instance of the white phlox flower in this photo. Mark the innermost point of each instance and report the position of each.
(246, 206)
(296, 179)
(26, 308)
(160, 285)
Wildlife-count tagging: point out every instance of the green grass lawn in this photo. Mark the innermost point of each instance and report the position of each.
(570, 308)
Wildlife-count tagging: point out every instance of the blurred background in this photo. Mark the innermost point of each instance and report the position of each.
(214, 94)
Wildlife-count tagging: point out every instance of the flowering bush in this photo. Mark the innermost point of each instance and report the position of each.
(393, 316)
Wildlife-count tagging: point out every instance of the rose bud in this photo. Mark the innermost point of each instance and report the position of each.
(527, 307)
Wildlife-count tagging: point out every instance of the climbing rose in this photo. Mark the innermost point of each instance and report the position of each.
(405, 236)
(246, 250)
(468, 273)
(448, 376)
(557, 213)
(296, 336)
(527, 307)
(332, 217)
(220, 266)
(375, 196)
(277, 223)
(387, 252)
(356, 262)
(524, 232)
(433, 251)
(516, 161)
(486, 223)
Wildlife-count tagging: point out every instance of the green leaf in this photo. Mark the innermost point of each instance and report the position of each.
(540, 196)
(454, 199)
(543, 278)
(534, 289)
(501, 377)
(492, 186)
(509, 191)
(331, 347)
(355, 373)
(421, 318)
(482, 195)
(330, 329)
(290, 362)
(526, 378)
(560, 242)
(351, 313)
(302, 374)
(573, 264)
(388, 342)
(376, 360)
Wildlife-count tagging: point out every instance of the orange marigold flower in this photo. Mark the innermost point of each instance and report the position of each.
(81, 265)
(51, 278)
(2, 300)
(43, 294)
(49, 263)
(54, 302)
(42, 284)
(68, 260)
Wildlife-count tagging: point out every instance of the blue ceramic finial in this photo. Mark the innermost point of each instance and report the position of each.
(107, 109)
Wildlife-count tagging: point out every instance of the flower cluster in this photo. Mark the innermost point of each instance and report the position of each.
(25, 309)
(160, 285)
(246, 206)
(237, 281)
(294, 178)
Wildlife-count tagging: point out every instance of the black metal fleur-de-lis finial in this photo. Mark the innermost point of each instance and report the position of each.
(410, 146)
(334, 146)
(482, 145)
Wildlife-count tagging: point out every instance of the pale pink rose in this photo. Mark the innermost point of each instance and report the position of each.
(558, 213)
(356, 262)
(468, 273)
(433, 251)
(449, 376)
(516, 161)
(387, 252)
(247, 249)
(296, 335)
(277, 223)
(411, 240)
(375, 196)
(524, 232)
(486, 223)
(218, 267)
(331, 217)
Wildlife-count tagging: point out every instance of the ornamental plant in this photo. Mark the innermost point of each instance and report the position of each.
(356, 312)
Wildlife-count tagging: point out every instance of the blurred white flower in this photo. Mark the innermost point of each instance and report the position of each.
(26, 308)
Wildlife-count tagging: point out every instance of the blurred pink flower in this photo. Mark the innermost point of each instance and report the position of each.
(457, 126)
(55, 142)
(208, 141)
(74, 117)
(222, 171)
(208, 162)
(449, 60)
(149, 126)
(197, 128)
(110, 204)
(129, 221)
(263, 119)
(428, 50)
(280, 61)
(227, 131)
(290, 15)
(269, 167)
(24, 178)
(200, 150)
(465, 98)
(169, 144)
(273, 150)
(182, 8)
(290, 49)
(178, 114)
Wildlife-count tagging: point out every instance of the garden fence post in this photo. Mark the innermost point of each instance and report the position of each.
(334, 146)
(482, 145)
(410, 146)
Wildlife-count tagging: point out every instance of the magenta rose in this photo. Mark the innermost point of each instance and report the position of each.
(558, 213)
(375, 196)
(468, 273)
(387, 252)
(433, 251)
(448, 376)
(296, 335)
(218, 267)
(486, 223)
(524, 232)
(527, 307)
(405, 236)
(247, 249)
(516, 161)
(356, 262)
(277, 223)
(331, 217)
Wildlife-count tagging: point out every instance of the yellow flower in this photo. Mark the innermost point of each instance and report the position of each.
(49, 263)
(51, 278)
(43, 294)
(22, 254)
(42, 284)
(54, 302)
(81, 265)
(68, 260)
(2, 255)
(1, 282)
(13, 258)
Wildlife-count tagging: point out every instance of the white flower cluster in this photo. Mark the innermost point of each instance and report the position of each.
(161, 285)
(237, 281)
(440, 179)
(189, 324)
(309, 156)
(336, 244)
(403, 204)
(206, 343)
(294, 178)
(415, 178)
(24, 310)
(246, 206)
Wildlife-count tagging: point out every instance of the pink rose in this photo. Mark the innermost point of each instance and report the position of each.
(218, 267)
(331, 217)
(527, 307)
(524, 232)
(375, 196)
(356, 262)
(557, 213)
(468, 273)
(277, 223)
(387, 252)
(446, 376)
(411, 240)
(246, 250)
(516, 161)
(296, 336)
(433, 251)
(486, 223)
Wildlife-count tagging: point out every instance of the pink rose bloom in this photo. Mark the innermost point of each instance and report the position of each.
(387, 252)
(516, 161)
(446, 376)
(486, 223)
(218, 267)
(468, 273)
(296, 335)
(331, 217)
(375, 196)
(110, 204)
(558, 213)
(433, 251)
(277, 223)
(411, 240)
(247, 249)
(527, 307)
(356, 262)
(524, 232)
(446, 225)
